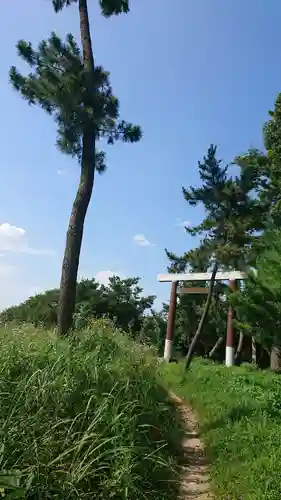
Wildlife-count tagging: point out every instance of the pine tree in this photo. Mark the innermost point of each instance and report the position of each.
(233, 220)
(254, 168)
(232, 213)
(259, 303)
(264, 168)
(76, 92)
(272, 142)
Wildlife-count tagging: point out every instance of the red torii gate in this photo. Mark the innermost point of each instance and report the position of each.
(231, 276)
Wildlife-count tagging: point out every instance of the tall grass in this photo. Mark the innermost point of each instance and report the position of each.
(240, 419)
(84, 417)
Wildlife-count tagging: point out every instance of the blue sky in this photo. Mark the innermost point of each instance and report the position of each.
(190, 72)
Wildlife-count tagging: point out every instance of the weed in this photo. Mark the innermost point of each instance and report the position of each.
(84, 417)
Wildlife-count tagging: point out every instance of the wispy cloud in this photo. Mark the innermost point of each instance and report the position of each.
(60, 172)
(13, 239)
(183, 223)
(141, 240)
(7, 270)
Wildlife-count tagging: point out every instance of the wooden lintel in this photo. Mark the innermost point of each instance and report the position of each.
(192, 290)
(220, 276)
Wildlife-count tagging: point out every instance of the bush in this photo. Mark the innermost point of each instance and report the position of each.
(83, 417)
(239, 411)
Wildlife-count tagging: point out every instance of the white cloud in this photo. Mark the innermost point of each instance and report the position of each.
(13, 292)
(103, 276)
(183, 223)
(37, 251)
(60, 172)
(7, 270)
(35, 290)
(141, 240)
(13, 239)
(13, 286)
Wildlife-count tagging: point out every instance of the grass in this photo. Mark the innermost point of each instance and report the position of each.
(239, 411)
(83, 418)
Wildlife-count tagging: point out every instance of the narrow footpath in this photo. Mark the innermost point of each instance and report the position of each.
(195, 481)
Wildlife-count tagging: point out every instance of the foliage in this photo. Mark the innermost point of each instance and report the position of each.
(84, 417)
(238, 410)
(259, 302)
(122, 300)
(126, 303)
(108, 7)
(153, 330)
(40, 309)
(272, 141)
(10, 484)
(59, 84)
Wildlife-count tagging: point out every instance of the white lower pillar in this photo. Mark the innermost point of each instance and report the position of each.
(168, 349)
(229, 356)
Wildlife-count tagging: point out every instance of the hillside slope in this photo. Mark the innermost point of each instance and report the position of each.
(84, 417)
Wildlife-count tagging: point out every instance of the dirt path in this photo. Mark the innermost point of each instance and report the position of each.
(195, 482)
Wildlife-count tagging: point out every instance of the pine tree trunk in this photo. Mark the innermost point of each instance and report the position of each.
(238, 354)
(216, 346)
(80, 206)
(85, 34)
(254, 351)
(275, 358)
(204, 316)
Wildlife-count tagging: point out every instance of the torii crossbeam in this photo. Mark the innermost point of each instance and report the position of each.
(231, 276)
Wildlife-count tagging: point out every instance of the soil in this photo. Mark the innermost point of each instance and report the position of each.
(195, 480)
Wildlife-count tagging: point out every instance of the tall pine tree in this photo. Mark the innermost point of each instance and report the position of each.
(264, 169)
(68, 85)
(272, 142)
(233, 217)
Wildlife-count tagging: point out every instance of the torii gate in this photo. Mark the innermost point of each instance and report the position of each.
(231, 276)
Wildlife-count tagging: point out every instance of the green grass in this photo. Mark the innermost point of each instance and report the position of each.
(240, 419)
(83, 418)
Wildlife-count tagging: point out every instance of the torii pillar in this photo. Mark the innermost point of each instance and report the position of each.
(230, 349)
(171, 322)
